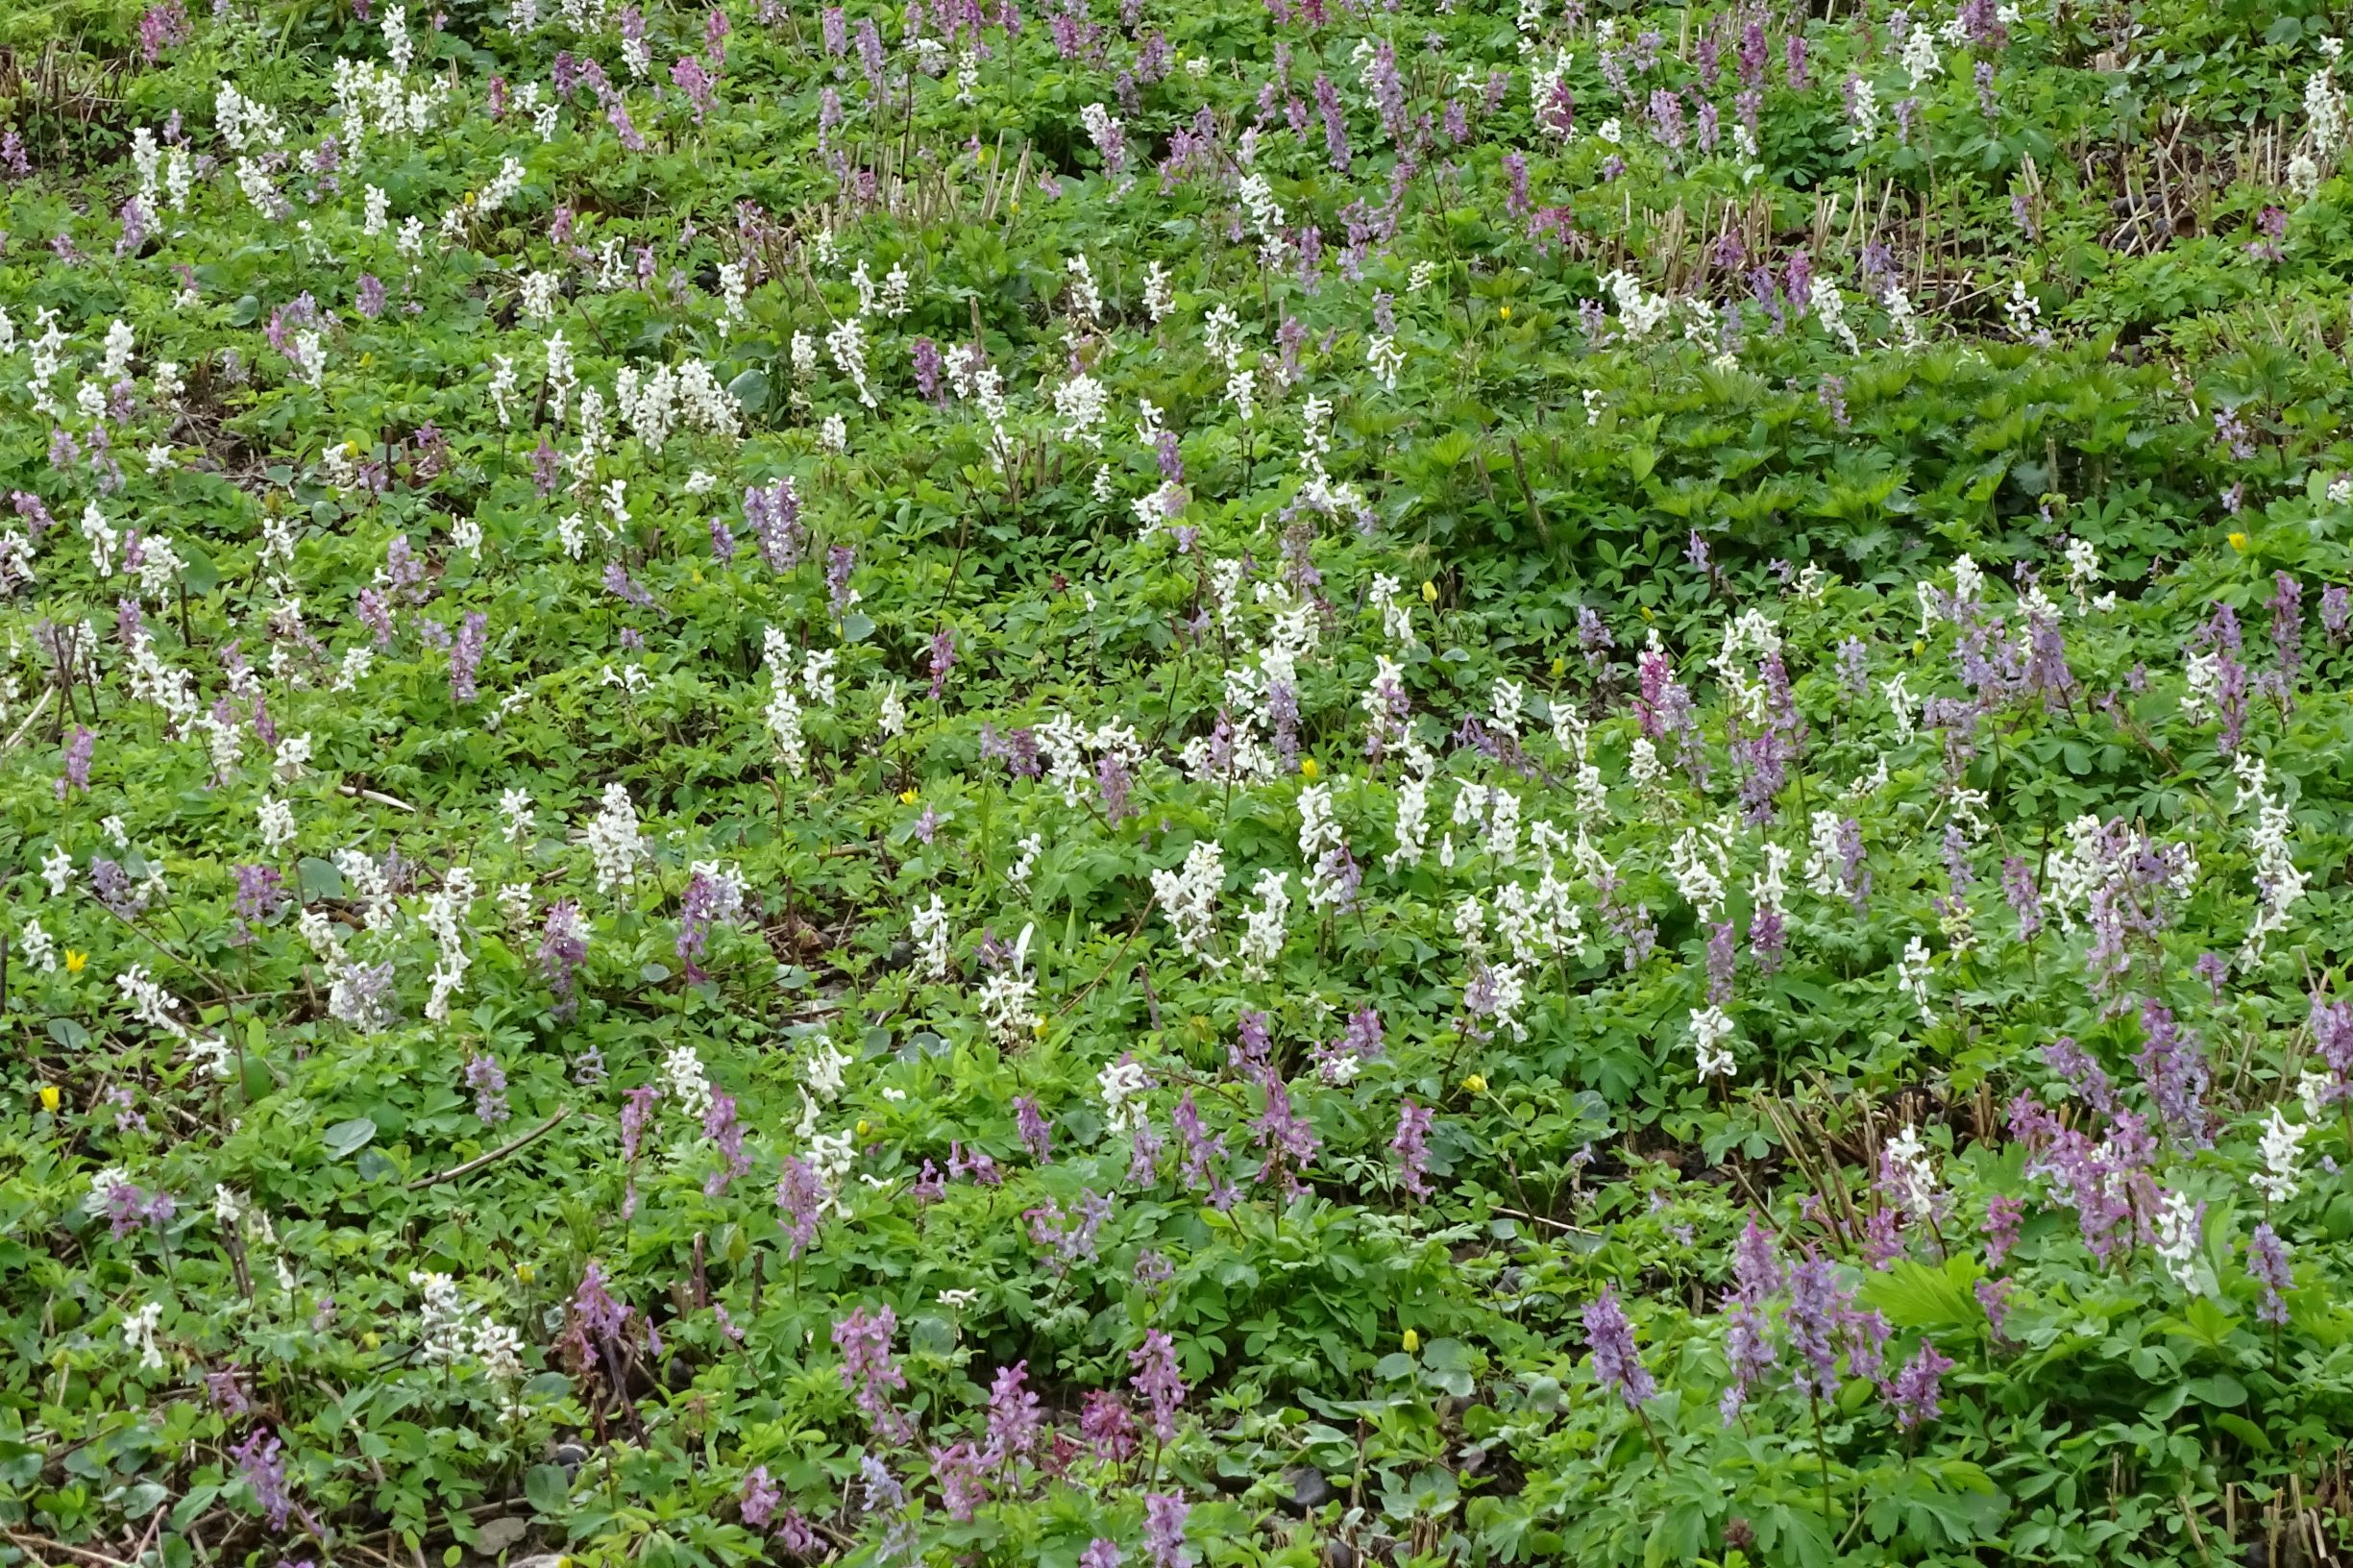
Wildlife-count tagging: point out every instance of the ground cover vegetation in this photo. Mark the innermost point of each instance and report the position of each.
(1257, 783)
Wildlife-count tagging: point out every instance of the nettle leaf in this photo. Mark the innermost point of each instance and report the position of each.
(1913, 1295)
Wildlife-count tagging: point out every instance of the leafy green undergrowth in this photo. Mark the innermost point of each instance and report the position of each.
(1257, 785)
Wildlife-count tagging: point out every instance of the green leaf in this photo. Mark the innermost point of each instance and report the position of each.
(2222, 1388)
(319, 878)
(197, 573)
(1912, 1295)
(751, 390)
(1797, 1534)
(2245, 1430)
(1677, 1537)
(546, 1489)
(345, 1137)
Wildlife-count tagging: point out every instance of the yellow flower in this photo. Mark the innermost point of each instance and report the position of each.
(469, 198)
(1560, 667)
(1412, 1343)
(1919, 648)
(906, 797)
(76, 960)
(1430, 593)
(1504, 312)
(1646, 611)
(1307, 768)
(525, 1273)
(2238, 541)
(1476, 1082)
(49, 1096)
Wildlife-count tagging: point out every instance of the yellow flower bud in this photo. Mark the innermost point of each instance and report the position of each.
(1430, 592)
(525, 1273)
(1504, 312)
(49, 1096)
(1307, 768)
(1560, 667)
(1476, 1082)
(863, 1127)
(2238, 541)
(1412, 1343)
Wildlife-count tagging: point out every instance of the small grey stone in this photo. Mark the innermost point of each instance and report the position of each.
(1308, 1490)
(500, 1534)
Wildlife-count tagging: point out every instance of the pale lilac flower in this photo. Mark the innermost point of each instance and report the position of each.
(760, 1497)
(261, 1466)
(1616, 1364)
(1035, 1130)
(1287, 1138)
(1157, 1381)
(1756, 1278)
(801, 1194)
(2003, 1217)
(959, 1471)
(1069, 1235)
(563, 949)
(77, 764)
(1164, 1515)
(2267, 1260)
(1917, 1389)
(1015, 1423)
(720, 1126)
(2174, 1070)
(868, 1371)
(1410, 1145)
(1108, 1427)
(488, 1081)
(1994, 1296)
